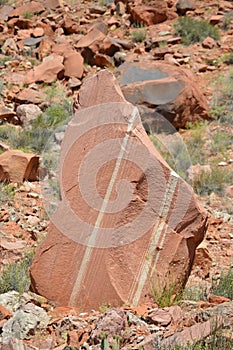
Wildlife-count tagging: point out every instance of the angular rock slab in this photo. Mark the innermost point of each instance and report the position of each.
(162, 88)
(127, 223)
(17, 166)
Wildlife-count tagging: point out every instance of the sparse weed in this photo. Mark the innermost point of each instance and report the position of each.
(27, 15)
(54, 116)
(166, 298)
(37, 135)
(166, 295)
(139, 35)
(1, 87)
(227, 20)
(216, 341)
(225, 285)
(5, 59)
(192, 30)
(3, 2)
(222, 105)
(227, 58)
(195, 293)
(174, 152)
(214, 181)
(7, 192)
(15, 276)
(196, 142)
(221, 141)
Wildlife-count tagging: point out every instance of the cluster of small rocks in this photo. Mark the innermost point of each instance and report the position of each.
(31, 322)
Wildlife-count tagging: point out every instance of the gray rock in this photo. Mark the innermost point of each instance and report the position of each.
(183, 6)
(162, 88)
(33, 41)
(28, 112)
(24, 323)
(10, 300)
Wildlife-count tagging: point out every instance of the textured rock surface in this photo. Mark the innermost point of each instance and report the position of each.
(24, 321)
(73, 65)
(112, 323)
(47, 71)
(149, 13)
(96, 42)
(163, 88)
(27, 112)
(16, 166)
(183, 6)
(128, 224)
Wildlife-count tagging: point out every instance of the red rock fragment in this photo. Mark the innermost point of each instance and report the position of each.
(48, 71)
(217, 299)
(16, 166)
(4, 313)
(32, 6)
(73, 65)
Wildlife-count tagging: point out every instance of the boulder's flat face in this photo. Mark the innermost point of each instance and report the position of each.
(157, 87)
(126, 223)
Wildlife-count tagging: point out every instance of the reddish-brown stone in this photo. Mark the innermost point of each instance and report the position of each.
(95, 42)
(48, 71)
(127, 223)
(217, 299)
(70, 26)
(150, 13)
(32, 6)
(30, 96)
(16, 166)
(73, 65)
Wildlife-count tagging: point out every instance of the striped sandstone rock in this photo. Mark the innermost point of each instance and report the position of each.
(126, 223)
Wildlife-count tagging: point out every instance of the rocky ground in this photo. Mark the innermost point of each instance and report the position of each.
(48, 48)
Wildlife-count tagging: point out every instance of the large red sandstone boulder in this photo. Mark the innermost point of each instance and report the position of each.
(157, 87)
(17, 166)
(127, 224)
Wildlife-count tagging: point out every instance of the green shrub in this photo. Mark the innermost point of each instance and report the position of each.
(195, 143)
(35, 137)
(54, 116)
(222, 103)
(7, 192)
(214, 181)
(192, 30)
(227, 20)
(28, 15)
(139, 35)
(5, 59)
(195, 293)
(221, 141)
(228, 58)
(225, 285)
(216, 341)
(176, 154)
(15, 276)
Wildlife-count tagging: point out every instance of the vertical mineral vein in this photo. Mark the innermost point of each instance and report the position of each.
(158, 229)
(93, 235)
